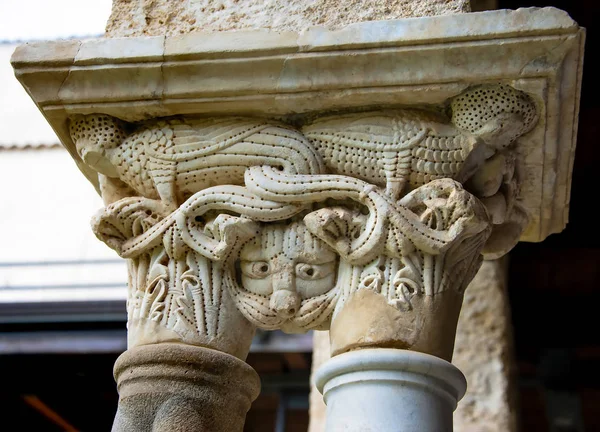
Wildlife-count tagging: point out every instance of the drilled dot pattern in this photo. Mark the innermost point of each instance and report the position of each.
(389, 146)
(104, 130)
(472, 109)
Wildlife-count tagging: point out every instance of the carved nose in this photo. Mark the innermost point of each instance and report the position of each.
(285, 303)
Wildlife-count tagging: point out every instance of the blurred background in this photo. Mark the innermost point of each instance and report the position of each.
(62, 292)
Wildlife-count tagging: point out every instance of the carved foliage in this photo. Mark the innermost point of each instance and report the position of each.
(285, 224)
(405, 149)
(175, 293)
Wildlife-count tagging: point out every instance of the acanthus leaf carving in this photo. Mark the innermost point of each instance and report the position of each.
(287, 224)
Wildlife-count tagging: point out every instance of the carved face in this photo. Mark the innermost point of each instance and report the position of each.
(289, 267)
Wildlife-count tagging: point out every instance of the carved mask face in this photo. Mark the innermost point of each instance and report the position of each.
(289, 267)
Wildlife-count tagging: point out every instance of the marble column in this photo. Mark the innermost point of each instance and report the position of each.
(482, 351)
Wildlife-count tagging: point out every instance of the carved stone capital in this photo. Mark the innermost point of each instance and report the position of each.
(410, 296)
(288, 223)
(359, 190)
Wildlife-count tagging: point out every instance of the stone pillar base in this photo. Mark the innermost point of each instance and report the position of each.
(389, 390)
(176, 388)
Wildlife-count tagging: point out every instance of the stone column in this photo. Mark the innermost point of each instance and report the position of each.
(411, 305)
(201, 278)
(348, 179)
(482, 351)
(178, 387)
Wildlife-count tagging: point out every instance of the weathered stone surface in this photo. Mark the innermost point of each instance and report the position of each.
(160, 17)
(389, 390)
(179, 388)
(482, 351)
(368, 320)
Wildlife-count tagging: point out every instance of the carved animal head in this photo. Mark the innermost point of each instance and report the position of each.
(287, 275)
(94, 134)
(498, 114)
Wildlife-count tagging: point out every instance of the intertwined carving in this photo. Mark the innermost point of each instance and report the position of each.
(284, 224)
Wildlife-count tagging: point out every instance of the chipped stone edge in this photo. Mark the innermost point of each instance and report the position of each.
(410, 31)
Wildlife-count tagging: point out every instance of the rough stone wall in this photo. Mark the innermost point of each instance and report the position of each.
(158, 17)
(483, 351)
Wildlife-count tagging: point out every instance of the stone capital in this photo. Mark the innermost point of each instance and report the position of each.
(350, 179)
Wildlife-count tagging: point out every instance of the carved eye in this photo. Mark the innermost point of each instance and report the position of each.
(309, 271)
(255, 269)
